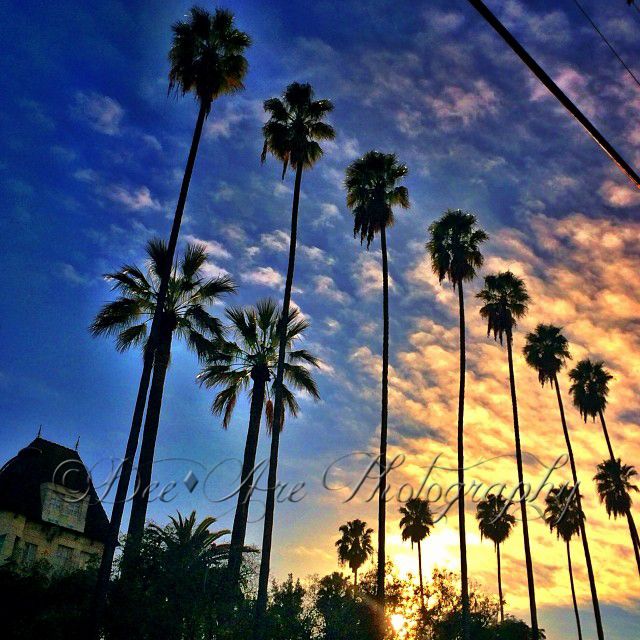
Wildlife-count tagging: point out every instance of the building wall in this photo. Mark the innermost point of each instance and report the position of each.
(19, 532)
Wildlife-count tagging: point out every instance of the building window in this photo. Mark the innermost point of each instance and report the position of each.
(29, 554)
(72, 509)
(56, 502)
(62, 561)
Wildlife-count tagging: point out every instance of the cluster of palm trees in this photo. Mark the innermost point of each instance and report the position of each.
(254, 351)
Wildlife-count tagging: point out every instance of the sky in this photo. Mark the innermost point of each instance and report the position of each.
(91, 162)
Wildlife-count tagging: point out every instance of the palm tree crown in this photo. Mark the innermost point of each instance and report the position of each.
(546, 350)
(454, 246)
(494, 521)
(372, 192)
(294, 125)
(206, 56)
(234, 364)
(562, 514)
(614, 485)
(505, 300)
(416, 521)
(185, 312)
(354, 547)
(589, 387)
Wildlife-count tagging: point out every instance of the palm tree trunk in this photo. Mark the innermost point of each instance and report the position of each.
(420, 572)
(147, 449)
(523, 503)
(242, 510)
(606, 435)
(355, 583)
(106, 562)
(464, 578)
(382, 503)
(634, 537)
(265, 560)
(500, 585)
(583, 532)
(573, 592)
(104, 574)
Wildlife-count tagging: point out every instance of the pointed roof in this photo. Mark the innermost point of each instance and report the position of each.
(44, 461)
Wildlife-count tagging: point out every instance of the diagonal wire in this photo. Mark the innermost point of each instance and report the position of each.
(615, 53)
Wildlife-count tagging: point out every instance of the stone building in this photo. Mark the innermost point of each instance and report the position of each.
(49, 510)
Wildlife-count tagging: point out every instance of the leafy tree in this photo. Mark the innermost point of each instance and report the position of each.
(206, 57)
(290, 135)
(185, 316)
(287, 616)
(454, 248)
(505, 301)
(372, 192)
(248, 363)
(415, 525)
(546, 351)
(354, 547)
(496, 524)
(564, 514)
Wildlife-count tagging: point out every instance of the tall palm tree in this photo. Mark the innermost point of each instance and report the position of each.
(546, 351)
(290, 135)
(248, 363)
(372, 192)
(206, 57)
(506, 301)
(496, 524)
(565, 515)
(589, 389)
(415, 524)
(185, 315)
(614, 485)
(454, 248)
(354, 547)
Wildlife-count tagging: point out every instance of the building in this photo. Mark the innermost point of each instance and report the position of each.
(49, 509)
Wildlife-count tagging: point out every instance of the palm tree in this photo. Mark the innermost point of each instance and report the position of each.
(546, 351)
(206, 57)
(248, 363)
(354, 547)
(565, 515)
(614, 485)
(589, 389)
(290, 135)
(454, 248)
(496, 524)
(372, 192)
(185, 315)
(415, 524)
(506, 301)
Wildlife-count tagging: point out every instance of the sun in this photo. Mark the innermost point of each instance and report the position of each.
(397, 621)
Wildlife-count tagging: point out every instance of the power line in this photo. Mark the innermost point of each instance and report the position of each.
(615, 53)
(520, 51)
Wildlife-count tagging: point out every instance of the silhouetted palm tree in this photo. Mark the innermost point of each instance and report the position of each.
(589, 389)
(505, 301)
(614, 485)
(454, 248)
(415, 524)
(354, 547)
(206, 57)
(496, 524)
(372, 192)
(546, 351)
(290, 135)
(248, 363)
(565, 515)
(185, 315)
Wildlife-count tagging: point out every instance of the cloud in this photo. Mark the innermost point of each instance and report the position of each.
(276, 241)
(213, 248)
(457, 104)
(618, 195)
(367, 274)
(316, 255)
(102, 113)
(225, 121)
(325, 286)
(71, 274)
(265, 276)
(330, 213)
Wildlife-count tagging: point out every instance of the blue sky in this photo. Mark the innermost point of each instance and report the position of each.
(92, 158)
